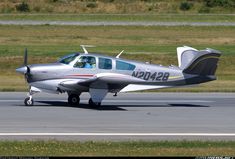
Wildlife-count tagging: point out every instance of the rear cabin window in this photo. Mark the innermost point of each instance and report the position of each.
(105, 63)
(120, 65)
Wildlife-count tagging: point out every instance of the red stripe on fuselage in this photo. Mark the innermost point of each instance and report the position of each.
(82, 75)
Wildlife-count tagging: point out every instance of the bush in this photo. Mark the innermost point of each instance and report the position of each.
(185, 6)
(91, 5)
(220, 3)
(23, 7)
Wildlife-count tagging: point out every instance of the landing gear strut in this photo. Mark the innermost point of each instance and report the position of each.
(73, 99)
(94, 104)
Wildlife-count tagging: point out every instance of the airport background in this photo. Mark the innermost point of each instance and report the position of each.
(155, 44)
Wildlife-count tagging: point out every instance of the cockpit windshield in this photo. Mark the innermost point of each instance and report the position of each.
(67, 59)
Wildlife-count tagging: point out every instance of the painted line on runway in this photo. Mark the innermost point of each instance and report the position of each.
(119, 134)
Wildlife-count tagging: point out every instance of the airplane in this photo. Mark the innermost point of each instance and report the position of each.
(98, 74)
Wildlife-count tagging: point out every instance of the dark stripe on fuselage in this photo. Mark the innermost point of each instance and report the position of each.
(186, 81)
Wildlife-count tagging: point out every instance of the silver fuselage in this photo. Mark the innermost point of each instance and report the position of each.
(48, 76)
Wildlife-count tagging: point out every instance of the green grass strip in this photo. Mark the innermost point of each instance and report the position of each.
(122, 17)
(108, 148)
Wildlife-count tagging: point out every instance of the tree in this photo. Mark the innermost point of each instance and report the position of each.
(23, 7)
(185, 6)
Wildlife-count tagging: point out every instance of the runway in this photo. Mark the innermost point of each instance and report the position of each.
(129, 116)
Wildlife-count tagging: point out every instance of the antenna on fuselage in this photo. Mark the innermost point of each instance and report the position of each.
(84, 48)
(119, 54)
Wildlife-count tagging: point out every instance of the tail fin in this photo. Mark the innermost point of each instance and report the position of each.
(203, 62)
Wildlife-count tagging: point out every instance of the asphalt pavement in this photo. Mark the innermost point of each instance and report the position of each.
(129, 116)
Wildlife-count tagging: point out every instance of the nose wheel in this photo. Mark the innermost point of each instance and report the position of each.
(29, 101)
(73, 100)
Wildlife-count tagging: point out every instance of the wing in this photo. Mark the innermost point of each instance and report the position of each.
(112, 81)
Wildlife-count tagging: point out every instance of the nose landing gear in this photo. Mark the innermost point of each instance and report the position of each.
(29, 100)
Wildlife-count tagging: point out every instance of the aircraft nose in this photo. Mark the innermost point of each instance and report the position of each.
(22, 70)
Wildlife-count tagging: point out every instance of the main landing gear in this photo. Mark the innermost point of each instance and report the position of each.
(94, 104)
(73, 99)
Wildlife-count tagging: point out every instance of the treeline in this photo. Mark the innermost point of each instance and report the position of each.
(118, 6)
(220, 3)
(207, 5)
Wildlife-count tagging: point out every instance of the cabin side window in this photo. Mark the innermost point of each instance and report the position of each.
(86, 62)
(120, 65)
(105, 63)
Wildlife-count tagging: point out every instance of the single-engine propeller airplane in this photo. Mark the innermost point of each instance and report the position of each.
(99, 75)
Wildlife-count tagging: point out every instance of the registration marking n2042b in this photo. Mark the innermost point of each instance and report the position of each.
(154, 76)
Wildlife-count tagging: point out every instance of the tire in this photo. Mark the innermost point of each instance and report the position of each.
(73, 100)
(28, 102)
(93, 104)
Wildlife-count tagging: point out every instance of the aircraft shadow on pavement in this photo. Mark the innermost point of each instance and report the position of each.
(83, 106)
(113, 107)
(187, 105)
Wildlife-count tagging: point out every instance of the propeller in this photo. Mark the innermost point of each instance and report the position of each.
(25, 56)
(25, 68)
(26, 61)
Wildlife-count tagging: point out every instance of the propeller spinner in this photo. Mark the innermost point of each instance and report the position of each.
(25, 68)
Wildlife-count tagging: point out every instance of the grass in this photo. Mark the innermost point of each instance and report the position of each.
(107, 148)
(121, 17)
(158, 44)
(48, 40)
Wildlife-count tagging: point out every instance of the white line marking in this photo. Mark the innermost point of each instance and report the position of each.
(119, 134)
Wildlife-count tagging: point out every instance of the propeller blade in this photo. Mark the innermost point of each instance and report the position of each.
(25, 69)
(25, 57)
(28, 70)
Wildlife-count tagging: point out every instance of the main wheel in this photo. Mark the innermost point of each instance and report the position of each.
(28, 102)
(73, 100)
(94, 104)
